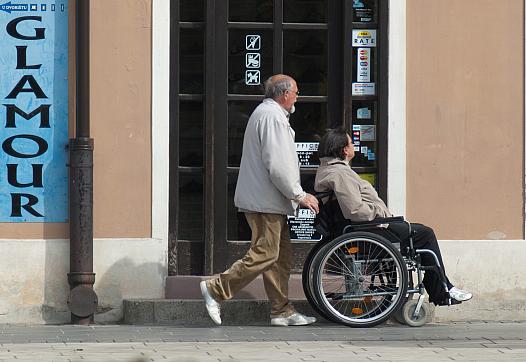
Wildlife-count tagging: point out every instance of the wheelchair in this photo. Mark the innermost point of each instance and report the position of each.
(356, 276)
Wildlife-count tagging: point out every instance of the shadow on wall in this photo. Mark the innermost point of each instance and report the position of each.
(56, 288)
(126, 279)
(122, 279)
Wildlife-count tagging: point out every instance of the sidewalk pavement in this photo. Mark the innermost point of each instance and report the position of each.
(452, 341)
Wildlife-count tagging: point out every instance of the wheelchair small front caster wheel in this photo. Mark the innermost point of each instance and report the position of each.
(397, 316)
(408, 311)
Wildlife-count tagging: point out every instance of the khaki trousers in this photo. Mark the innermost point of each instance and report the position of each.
(270, 254)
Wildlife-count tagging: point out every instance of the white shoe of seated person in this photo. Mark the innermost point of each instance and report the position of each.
(212, 306)
(296, 319)
(459, 295)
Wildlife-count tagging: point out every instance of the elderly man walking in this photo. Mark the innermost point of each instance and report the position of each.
(268, 189)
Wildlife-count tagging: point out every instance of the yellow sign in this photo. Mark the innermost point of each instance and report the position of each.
(364, 38)
(369, 177)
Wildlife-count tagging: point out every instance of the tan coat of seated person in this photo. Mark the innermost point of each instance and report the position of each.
(360, 202)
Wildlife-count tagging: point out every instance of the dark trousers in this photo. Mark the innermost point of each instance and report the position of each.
(424, 238)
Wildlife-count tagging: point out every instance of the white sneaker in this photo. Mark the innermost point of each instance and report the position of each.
(297, 319)
(459, 295)
(212, 306)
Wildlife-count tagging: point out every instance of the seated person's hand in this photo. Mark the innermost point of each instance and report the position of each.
(311, 202)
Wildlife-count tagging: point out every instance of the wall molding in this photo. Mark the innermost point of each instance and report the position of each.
(396, 151)
(160, 118)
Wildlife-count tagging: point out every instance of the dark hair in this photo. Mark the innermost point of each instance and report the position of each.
(333, 143)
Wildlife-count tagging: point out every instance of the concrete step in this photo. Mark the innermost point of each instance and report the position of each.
(192, 312)
(184, 305)
(187, 287)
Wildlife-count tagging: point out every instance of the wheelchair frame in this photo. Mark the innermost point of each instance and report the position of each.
(319, 268)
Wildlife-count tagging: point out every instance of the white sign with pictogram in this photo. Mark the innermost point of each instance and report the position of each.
(253, 60)
(253, 42)
(252, 77)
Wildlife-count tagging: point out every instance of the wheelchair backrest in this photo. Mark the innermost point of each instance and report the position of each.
(330, 220)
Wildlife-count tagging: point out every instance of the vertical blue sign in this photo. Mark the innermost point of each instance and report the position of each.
(33, 111)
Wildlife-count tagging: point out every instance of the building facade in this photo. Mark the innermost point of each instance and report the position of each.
(433, 92)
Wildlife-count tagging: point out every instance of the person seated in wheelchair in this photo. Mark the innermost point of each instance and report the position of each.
(359, 202)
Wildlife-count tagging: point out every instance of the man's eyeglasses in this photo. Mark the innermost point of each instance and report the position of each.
(296, 92)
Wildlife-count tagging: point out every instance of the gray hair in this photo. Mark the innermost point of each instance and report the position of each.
(275, 88)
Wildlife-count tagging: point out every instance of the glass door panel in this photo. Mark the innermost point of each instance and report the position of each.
(238, 114)
(191, 220)
(305, 11)
(305, 58)
(309, 121)
(191, 134)
(251, 10)
(237, 227)
(192, 58)
(192, 10)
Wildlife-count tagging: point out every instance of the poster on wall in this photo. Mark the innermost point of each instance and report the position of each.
(34, 109)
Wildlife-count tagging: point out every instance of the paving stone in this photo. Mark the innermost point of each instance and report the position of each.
(436, 342)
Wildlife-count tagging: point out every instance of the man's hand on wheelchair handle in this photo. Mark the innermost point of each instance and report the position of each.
(311, 202)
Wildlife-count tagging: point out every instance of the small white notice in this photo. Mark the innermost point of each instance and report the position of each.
(253, 60)
(363, 113)
(364, 38)
(252, 77)
(253, 42)
(363, 63)
(306, 154)
(363, 89)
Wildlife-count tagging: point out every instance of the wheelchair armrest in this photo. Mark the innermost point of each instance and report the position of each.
(370, 224)
(321, 195)
(379, 221)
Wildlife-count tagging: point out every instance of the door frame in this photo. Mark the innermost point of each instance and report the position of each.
(396, 108)
(160, 121)
(160, 118)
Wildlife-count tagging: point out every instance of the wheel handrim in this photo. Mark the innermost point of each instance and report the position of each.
(360, 280)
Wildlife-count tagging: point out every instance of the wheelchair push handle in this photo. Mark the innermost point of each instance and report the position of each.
(321, 195)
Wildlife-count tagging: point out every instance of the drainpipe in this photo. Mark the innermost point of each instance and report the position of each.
(82, 299)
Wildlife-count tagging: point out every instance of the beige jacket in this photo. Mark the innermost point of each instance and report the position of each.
(357, 198)
(269, 175)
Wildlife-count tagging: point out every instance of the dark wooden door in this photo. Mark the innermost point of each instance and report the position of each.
(222, 51)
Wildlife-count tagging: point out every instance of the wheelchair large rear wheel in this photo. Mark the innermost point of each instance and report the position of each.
(359, 279)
